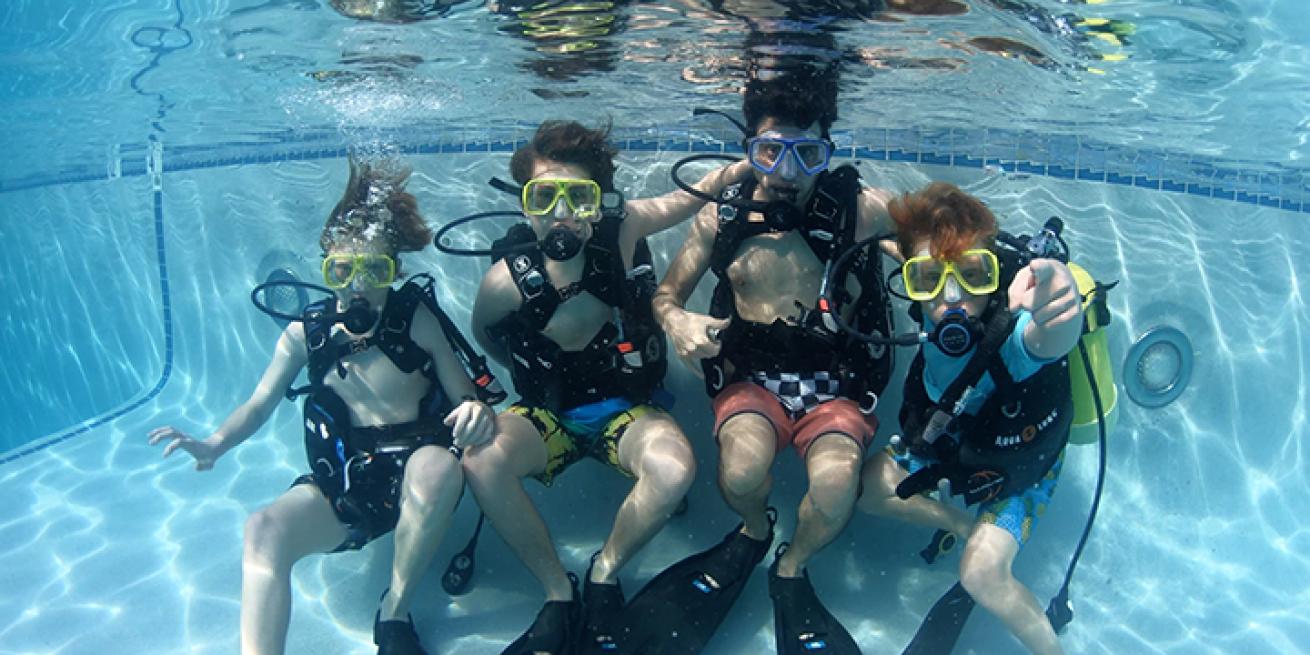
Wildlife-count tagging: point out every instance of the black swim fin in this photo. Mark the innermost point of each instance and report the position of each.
(942, 627)
(801, 623)
(555, 629)
(677, 612)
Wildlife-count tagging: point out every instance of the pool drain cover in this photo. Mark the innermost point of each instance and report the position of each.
(1158, 367)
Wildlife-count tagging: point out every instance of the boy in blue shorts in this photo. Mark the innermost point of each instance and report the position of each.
(987, 402)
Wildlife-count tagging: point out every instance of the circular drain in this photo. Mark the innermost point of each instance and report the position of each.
(285, 298)
(1158, 367)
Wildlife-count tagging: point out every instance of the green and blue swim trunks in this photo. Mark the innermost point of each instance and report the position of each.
(1016, 514)
(591, 430)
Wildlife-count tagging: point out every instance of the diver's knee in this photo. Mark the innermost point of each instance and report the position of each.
(485, 463)
(740, 477)
(878, 480)
(667, 463)
(266, 541)
(433, 478)
(982, 576)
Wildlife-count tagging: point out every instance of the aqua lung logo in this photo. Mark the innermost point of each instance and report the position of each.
(1028, 433)
(986, 484)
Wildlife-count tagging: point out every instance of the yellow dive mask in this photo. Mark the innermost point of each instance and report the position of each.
(374, 270)
(976, 270)
(541, 195)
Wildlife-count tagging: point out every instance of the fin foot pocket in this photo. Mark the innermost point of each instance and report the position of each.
(802, 625)
(552, 632)
(602, 614)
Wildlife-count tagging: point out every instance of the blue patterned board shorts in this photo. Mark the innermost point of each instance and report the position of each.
(1016, 514)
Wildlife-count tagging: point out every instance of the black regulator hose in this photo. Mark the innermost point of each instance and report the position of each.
(1060, 610)
(677, 179)
(838, 268)
(439, 240)
(256, 296)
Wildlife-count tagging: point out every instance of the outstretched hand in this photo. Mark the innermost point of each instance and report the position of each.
(205, 452)
(1046, 288)
(472, 423)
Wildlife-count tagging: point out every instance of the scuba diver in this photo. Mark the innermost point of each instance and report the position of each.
(389, 405)
(779, 371)
(566, 307)
(987, 403)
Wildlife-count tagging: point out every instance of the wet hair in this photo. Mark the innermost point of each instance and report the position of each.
(801, 98)
(568, 142)
(951, 219)
(376, 208)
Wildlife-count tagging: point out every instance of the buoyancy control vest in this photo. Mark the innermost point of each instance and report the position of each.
(813, 342)
(336, 449)
(1017, 434)
(627, 357)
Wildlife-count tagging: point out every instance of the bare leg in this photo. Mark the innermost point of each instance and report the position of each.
(747, 445)
(298, 523)
(986, 574)
(656, 451)
(432, 482)
(495, 472)
(833, 465)
(880, 477)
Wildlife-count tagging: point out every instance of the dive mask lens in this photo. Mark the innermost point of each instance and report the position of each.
(978, 271)
(376, 270)
(338, 270)
(765, 153)
(812, 154)
(539, 196)
(924, 277)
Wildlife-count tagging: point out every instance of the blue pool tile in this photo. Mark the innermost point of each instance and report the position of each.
(674, 145)
(1248, 198)
(934, 158)
(1035, 168)
(477, 147)
(1200, 190)
(1270, 201)
(501, 146)
(1224, 194)
(1290, 206)
(1170, 185)
(642, 144)
(706, 146)
(1060, 172)
(1116, 178)
(845, 153)
(1146, 182)
(452, 147)
(1091, 175)
(901, 155)
(968, 162)
(870, 153)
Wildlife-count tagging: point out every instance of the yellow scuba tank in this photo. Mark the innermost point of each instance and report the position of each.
(1097, 316)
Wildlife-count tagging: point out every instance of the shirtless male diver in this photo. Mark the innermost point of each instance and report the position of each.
(567, 310)
(780, 372)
